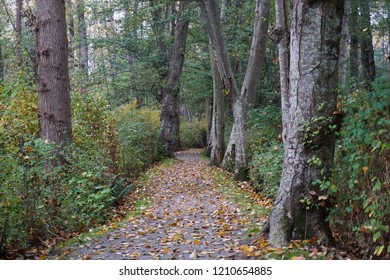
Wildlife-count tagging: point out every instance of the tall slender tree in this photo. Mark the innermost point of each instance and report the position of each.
(300, 209)
(344, 49)
(19, 32)
(217, 132)
(53, 77)
(82, 36)
(366, 45)
(354, 41)
(237, 149)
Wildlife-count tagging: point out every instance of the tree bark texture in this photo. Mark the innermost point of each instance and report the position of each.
(169, 133)
(257, 53)
(53, 76)
(300, 208)
(344, 47)
(71, 30)
(214, 27)
(283, 39)
(238, 138)
(217, 131)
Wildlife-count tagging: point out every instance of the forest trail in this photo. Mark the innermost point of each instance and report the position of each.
(190, 215)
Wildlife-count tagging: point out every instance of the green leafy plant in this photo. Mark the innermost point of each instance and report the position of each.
(361, 180)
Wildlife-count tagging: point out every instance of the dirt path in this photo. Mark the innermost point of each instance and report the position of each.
(188, 218)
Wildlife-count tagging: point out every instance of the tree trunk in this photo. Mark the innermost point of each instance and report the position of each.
(344, 47)
(159, 28)
(300, 209)
(18, 29)
(53, 77)
(214, 27)
(366, 46)
(354, 43)
(169, 132)
(238, 138)
(283, 39)
(217, 131)
(71, 31)
(82, 34)
(258, 49)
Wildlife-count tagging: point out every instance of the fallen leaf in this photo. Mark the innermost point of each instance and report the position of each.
(301, 257)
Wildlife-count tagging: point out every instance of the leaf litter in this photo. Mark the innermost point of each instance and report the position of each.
(188, 210)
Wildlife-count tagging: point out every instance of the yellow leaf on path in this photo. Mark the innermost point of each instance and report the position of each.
(301, 257)
(178, 237)
(135, 255)
(196, 242)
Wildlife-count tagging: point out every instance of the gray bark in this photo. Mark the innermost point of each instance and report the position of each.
(217, 131)
(169, 132)
(300, 208)
(238, 138)
(71, 31)
(214, 27)
(258, 49)
(284, 56)
(344, 47)
(53, 77)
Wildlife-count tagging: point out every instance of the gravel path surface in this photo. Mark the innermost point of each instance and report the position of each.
(188, 218)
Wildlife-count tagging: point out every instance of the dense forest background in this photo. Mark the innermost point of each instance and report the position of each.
(135, 66)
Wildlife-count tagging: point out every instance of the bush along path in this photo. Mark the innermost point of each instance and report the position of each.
(184, 209)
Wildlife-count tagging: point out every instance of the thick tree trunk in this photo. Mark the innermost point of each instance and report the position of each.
(344, 47)
(53, 77)
(300, 207)
(169, 132)
(366, 46)
(18, 29)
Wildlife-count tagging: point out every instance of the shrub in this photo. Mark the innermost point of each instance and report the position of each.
(138, 137)
(361, 181)
(193, 133)
(37, 202)
(265, 149)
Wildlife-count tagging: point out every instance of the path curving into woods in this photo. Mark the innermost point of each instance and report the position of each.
(189, 217)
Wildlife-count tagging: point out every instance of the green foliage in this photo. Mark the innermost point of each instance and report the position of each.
(361, 182)
(139, 138)
(265, 149)
(193, 133)
(39, 197)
